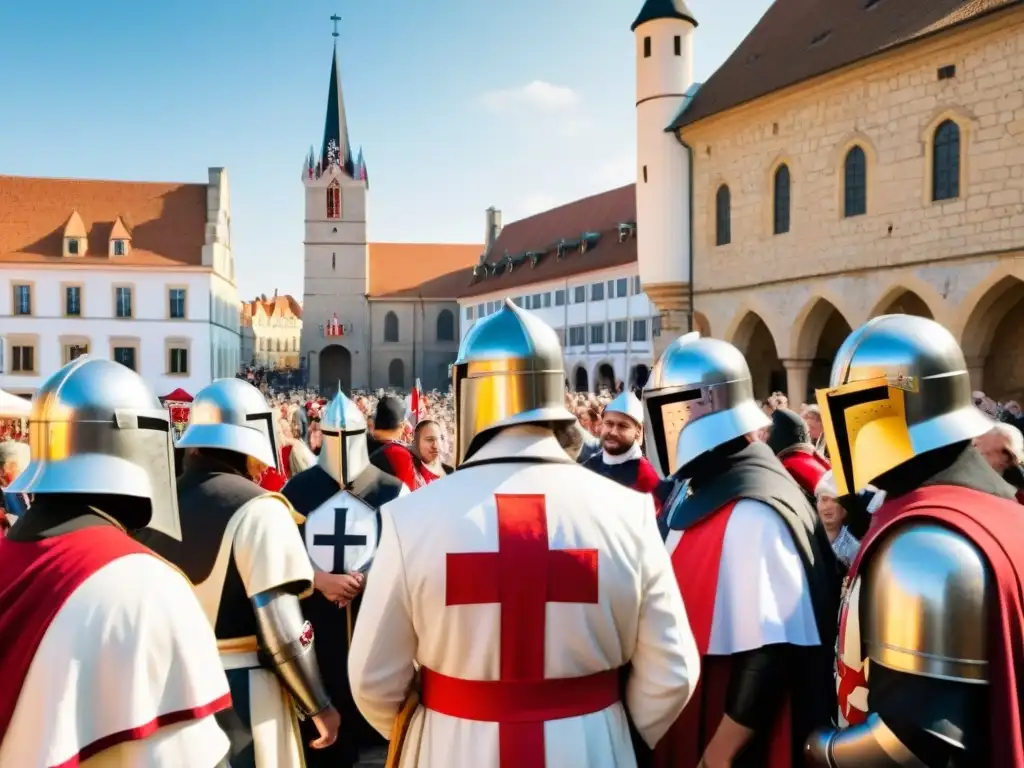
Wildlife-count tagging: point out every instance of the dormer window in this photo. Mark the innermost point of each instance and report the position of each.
(120, 239)
(75, 236)
(334, 201)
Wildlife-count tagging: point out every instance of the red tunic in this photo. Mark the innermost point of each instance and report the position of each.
(696, 562)
(36, 579)
(806, 467)
(396, 459)
(994, 526)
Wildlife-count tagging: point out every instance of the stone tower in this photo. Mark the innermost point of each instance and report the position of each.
(335, 329)
(664, 76)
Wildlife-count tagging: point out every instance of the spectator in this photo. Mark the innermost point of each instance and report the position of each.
(1003, 449)
(790, 440)
(833, 517)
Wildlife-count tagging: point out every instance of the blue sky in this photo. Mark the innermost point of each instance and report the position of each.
(458, 104)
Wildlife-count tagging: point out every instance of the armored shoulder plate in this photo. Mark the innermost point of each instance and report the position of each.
(925, 603)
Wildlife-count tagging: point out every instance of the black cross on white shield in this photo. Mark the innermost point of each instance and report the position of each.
(342, 536)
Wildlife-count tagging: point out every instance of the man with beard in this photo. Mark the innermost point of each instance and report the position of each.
(790, 440)
(621, 460)
(105, 656)
(934, 594)
(340, 500)
(245, 558)
(753, 564)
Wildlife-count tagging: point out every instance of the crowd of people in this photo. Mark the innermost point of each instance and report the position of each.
(688, 578)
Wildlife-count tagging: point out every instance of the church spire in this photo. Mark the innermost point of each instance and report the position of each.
(336, 147)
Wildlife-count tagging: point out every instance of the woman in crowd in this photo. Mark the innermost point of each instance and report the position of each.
(833, 517)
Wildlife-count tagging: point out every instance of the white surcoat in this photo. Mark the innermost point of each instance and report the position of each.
(129, 646)
(637, 617)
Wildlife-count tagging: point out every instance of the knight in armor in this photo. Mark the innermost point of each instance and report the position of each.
(753, 564)
(245, 558)
(340, 499)
(933, 598)
(620, 459)
(105, 659)
(529, 598)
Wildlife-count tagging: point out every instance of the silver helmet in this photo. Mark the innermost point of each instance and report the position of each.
(97, 428)
(344, 453)
(699, 396)
(232, 415)
(899, 388)
(627, 404)
(509, 371)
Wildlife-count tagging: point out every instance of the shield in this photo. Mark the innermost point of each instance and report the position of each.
(342, 534)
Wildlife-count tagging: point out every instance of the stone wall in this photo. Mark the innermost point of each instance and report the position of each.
(960, 261)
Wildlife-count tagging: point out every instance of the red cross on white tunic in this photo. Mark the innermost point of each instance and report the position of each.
(523, 576)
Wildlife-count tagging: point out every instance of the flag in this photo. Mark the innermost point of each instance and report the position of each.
(414, 404)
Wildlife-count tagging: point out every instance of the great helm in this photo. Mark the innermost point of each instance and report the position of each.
(232, 415)
(97, 428)
(509, 371)
(344, 453)
(899, 388)
(698, 397)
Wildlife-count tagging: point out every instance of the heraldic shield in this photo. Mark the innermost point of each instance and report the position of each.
(342, 534)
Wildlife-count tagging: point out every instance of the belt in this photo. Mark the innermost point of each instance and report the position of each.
(239, 652)
(503, 701)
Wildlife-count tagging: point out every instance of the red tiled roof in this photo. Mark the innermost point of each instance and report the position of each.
(796, 40)
(167, 222)
(599, 214)
(275, 306)
(420, 270)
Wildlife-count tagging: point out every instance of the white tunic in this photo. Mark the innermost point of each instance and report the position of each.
(638, 618)
(129, 646)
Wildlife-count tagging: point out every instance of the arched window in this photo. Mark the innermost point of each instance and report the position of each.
(334, 201)
(278, 345)
(723, 216)
(946, 162)
(855, 183)
(445, 326)
(396, 374)
(390, 327)
(780, 198)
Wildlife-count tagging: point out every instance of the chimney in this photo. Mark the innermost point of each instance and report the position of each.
(275, 293)
(493, 228)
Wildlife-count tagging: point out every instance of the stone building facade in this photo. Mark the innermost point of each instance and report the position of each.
(271, 331)
(890, 183)
(375, 313)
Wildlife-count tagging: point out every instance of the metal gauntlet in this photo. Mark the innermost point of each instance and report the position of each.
(286, 640)
(871, 743)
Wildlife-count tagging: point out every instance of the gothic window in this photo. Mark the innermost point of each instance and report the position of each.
(445, 326)
(946, 162)
(723, 216)
(334, 201)
(855, 183)
(780, 198)
(334, 261)
(390, 327)
(396, 374)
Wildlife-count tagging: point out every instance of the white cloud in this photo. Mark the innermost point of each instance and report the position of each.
(536, 96)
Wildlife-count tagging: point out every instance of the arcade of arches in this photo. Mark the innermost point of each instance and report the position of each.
(987, 328)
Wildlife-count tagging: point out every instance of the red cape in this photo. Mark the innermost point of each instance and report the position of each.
(696, 562)
(994, 526)
(36, 579)
(396, 459)
(806, 467)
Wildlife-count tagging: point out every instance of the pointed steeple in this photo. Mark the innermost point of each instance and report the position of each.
(336, 146)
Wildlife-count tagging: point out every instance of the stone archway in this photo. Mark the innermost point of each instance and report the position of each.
(991, 341)
(903, 302)
(335, 366)
(755, 341)
(638, 378)
(818, 338)
(604, 377)
(701, 324)
(580, 381)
